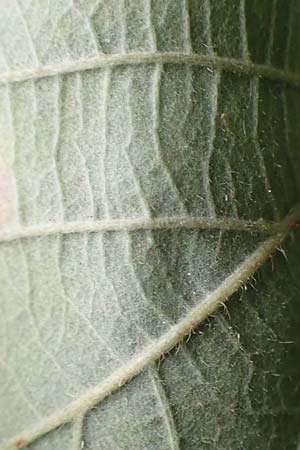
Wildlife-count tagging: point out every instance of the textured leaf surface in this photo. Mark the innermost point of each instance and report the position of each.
(148, 140)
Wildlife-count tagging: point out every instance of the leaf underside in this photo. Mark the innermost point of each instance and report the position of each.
(148, 141)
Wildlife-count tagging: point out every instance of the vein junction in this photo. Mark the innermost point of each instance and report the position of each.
(77, 409)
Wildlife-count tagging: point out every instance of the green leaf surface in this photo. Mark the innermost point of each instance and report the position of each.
(149, 153)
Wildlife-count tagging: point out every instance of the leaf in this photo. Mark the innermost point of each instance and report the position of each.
(149, 163)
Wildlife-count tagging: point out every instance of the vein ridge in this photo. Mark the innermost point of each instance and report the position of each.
(135, 224)
(165, 343)
(166, 410)
(243, 66)
(77, 432)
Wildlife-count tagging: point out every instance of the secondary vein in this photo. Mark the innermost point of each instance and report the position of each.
(135, 224)
(104, 60)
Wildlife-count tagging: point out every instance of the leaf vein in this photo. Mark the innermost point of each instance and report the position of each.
(136, 224)
(105, 60)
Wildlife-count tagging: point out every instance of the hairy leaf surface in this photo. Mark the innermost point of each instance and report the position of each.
(147, 151)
